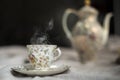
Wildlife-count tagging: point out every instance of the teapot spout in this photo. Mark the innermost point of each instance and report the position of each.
(106, 28)
(106, 24)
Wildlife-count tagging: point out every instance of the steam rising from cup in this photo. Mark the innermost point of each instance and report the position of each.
(40, 36)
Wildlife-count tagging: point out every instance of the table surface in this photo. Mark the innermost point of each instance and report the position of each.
(103, 68)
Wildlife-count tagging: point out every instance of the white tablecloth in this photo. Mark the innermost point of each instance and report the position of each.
(102, 69)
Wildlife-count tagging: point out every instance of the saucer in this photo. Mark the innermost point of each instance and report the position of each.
(28, 69)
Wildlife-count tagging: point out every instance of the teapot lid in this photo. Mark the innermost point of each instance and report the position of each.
(87, 9)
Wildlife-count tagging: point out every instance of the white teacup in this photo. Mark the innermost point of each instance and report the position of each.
(42, 56)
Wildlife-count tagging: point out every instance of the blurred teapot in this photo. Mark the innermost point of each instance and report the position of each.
(88, 35)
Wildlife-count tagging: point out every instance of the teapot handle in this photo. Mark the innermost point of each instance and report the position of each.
(64, 22)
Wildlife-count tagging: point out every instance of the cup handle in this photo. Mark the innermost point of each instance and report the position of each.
(58, 54)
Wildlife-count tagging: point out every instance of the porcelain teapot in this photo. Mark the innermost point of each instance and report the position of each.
(88, 35)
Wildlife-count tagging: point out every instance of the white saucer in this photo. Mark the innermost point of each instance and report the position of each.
(29, 70)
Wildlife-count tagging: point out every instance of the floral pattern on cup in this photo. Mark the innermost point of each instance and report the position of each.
(42, 56)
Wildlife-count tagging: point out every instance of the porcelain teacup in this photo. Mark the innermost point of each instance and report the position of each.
(42, 56)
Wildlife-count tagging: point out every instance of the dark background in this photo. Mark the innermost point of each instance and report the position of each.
(19, 18)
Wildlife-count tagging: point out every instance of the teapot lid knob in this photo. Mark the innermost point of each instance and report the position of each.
(87, 2)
